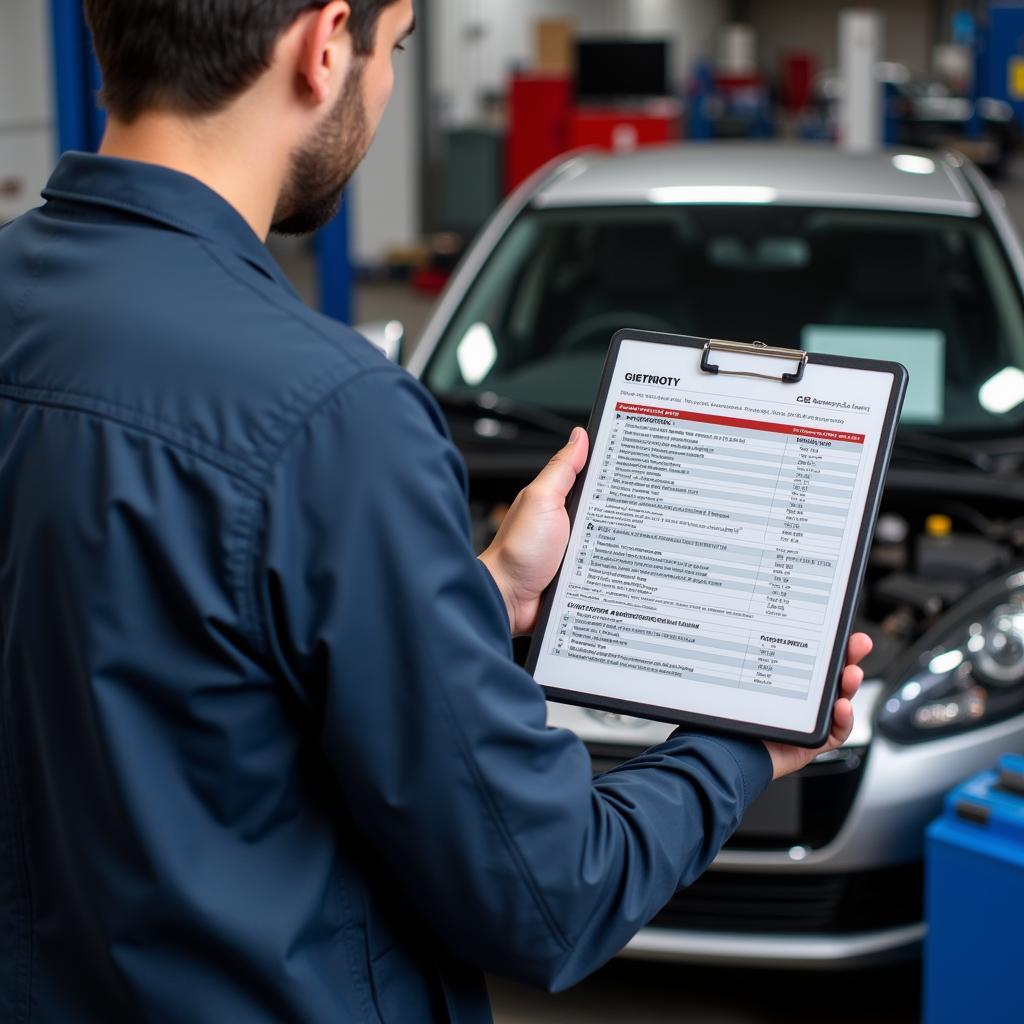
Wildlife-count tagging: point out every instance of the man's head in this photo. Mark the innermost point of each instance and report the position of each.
(320, 70)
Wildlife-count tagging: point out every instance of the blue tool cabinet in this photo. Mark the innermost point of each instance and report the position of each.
(974, 897)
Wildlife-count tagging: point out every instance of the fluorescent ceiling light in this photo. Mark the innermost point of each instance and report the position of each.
(476, 354)
(695, 194)
(910, 164)
(1003, 392)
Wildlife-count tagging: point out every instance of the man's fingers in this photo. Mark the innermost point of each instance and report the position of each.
(558, 476)
(859, 648)
(842, 722)
(853, 676)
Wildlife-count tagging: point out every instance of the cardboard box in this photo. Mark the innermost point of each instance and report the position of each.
(555, 47)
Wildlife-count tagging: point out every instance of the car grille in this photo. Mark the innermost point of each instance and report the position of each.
(799, 902)
(806, 809)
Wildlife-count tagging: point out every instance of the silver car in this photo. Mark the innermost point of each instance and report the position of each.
(907, 255)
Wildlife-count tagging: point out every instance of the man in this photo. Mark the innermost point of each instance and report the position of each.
(265, 755)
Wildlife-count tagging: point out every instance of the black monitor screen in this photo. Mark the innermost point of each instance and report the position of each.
(611, 69)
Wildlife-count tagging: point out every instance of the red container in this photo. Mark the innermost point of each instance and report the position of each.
(798, 71)
(539, 109)
(622, 130)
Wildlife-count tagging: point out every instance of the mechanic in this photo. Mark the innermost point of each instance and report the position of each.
(265, 753)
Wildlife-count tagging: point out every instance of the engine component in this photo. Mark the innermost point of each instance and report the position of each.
(890, 551)
(956, 557)
(926, 597)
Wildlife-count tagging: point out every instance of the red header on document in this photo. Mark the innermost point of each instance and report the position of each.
(729, 421)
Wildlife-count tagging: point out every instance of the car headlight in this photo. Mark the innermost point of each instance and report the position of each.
(967, 672)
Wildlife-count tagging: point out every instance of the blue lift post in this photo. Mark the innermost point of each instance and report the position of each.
(702, 103)
(80, 124)
(1003, 65)
(334, 267)
(971, 31)
(80, 121)
(892, 129)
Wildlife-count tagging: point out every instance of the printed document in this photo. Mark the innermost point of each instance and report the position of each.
(716, 531)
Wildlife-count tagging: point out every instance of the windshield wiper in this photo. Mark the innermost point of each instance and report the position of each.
(490, 404)
(911, 441)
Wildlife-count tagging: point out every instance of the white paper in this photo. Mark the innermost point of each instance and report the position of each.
(715, 537)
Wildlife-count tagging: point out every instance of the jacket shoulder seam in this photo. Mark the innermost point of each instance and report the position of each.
(249, 531)
(295, 414)
(110, 412)
(334, 391)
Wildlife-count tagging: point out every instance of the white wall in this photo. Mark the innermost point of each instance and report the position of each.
(692, 24)
(385, 191)
(26, 117)
(476, 43)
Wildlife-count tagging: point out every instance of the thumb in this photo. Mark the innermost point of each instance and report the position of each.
(558, 476)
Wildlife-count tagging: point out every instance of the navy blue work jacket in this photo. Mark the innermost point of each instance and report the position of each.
(264, 752)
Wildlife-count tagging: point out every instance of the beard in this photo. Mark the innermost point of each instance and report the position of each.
(323, 166)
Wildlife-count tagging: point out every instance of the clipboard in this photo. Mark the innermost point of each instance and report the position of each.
(719, 535)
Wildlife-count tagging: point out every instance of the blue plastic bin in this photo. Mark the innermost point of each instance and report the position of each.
(974, 900)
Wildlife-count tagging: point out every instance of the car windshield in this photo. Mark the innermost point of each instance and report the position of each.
(933, 292)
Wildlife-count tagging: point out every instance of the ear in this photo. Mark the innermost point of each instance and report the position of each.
(326, 51)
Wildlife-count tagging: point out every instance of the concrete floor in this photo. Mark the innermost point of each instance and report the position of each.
(630, 992)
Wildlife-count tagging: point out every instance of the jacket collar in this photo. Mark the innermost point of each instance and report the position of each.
(165, 197)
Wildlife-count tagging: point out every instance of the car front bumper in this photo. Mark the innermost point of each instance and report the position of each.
(803, 952)
(853, 901)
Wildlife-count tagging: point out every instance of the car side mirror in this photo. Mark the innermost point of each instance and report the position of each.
(387, 335)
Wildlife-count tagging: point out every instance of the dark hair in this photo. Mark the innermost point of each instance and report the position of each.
(195, 56)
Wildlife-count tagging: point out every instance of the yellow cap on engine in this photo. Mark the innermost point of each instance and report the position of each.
(938, 526)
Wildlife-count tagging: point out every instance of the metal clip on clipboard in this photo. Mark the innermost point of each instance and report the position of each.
(756, 348)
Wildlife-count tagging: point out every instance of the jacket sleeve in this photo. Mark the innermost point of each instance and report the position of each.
(379, 613)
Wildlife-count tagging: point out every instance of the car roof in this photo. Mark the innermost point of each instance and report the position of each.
(783, 174)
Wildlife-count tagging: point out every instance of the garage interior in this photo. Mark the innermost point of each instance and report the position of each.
(490, 93)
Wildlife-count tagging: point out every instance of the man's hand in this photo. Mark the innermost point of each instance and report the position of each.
(528, 549)
(787, 759)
